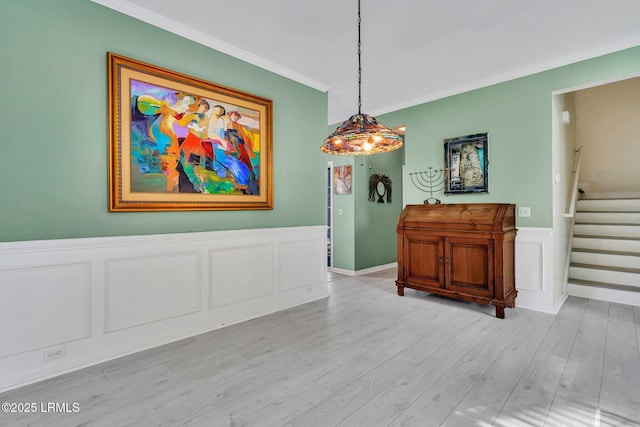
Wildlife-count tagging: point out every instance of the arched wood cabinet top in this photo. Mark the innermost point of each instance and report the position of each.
(470, 216)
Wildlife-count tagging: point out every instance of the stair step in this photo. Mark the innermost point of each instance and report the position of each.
(608, 230)
(608, 252)
(604, 291)
(606, 258)
(604, 285)
(606, 274)
(609, 224)
(624, 244)
(602, 267)
(608, 205)
(589, 236)
(612, 195)
(619, 218)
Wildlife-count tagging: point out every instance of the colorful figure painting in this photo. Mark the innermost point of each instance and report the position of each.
(185, 143)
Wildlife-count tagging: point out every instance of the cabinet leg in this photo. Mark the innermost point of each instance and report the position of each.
(401, 291)
(499, 312)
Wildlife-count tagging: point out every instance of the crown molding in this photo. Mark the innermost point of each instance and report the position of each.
(516, 74)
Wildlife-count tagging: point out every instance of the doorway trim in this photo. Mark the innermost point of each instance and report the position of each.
(330, 218)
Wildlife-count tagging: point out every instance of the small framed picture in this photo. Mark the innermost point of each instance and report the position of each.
(342, 180)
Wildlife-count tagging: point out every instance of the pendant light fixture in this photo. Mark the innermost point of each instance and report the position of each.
(361, 134)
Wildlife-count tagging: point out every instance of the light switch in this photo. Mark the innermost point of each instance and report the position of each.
(340, 212)
(524, 211)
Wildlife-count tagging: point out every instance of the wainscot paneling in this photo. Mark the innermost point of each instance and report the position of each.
(148, 289)
(70, 303)
(534, 269)
(35, 296)
(530, 269)
(295, 263)
(240, 273)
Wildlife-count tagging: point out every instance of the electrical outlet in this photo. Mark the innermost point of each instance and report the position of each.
(54, 353)
(524, 211)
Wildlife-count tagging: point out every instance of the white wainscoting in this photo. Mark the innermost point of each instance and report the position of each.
(41, 290)
(96, 299)
(534, 270)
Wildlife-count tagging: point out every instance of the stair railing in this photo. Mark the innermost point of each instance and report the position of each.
(570, 213)
(574, 192)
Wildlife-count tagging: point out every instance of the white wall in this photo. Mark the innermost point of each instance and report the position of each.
(99, 298)
(608, 129)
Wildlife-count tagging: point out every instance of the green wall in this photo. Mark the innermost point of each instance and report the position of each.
(364, 236)
(375, 223)
(343, 225)
(54, 112)
(517, 116)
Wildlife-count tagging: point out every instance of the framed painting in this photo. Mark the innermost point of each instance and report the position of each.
(181, 143)
(342, 179)
(466, 164)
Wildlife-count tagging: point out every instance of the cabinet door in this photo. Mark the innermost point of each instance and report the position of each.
(423, 256)
(469, 266)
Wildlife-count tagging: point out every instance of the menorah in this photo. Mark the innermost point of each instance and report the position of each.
(429, 181)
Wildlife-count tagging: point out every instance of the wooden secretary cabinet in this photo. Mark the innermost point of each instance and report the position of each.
(463, 251)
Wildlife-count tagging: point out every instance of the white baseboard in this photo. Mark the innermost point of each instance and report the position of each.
(342, 271)
(559, 303)
(604, 294)
(366, 270)
(377, 268)
(96, 299)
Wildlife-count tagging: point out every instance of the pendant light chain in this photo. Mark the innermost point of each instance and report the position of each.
(359, 66)
(361, 134)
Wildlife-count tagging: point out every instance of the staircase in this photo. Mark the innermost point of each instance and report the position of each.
(605, 260)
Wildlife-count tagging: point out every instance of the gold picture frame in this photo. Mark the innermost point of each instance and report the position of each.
(177, 142)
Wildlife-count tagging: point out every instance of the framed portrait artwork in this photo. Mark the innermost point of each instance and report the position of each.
(181, 143)
(466, 164)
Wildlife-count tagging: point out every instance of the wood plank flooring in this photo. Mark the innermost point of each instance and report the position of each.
(367, 357)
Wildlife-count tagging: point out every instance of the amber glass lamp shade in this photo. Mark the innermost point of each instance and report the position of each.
(361, 134)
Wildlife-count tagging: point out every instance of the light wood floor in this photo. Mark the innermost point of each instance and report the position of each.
(367, 357)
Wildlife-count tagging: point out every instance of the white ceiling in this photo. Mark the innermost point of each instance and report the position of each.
(413, 51)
